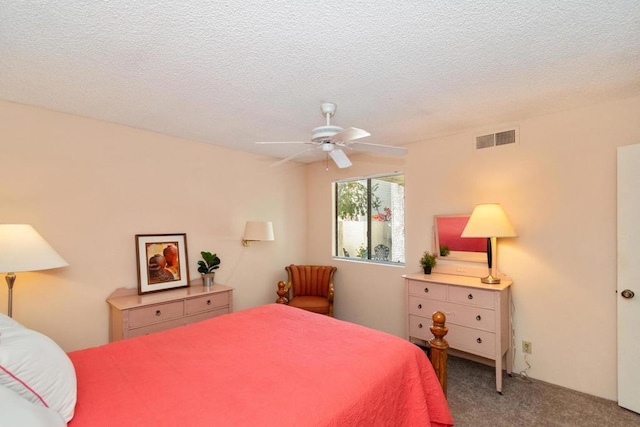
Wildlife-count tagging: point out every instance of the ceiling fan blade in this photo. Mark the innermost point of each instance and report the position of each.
(350, 134)
(388, 150)
(282, 142)
(341, 160)
(278, 163)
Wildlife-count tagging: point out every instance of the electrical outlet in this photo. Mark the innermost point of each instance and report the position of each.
(526, 347)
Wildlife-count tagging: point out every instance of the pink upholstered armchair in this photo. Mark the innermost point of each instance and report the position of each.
(309, 287)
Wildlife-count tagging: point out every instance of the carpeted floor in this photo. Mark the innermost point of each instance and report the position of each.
(474, 402)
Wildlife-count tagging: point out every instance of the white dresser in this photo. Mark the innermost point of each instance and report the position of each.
(478, 315)
(132, 315)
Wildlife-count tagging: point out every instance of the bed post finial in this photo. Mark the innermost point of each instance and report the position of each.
(281, 293)
(439, 348)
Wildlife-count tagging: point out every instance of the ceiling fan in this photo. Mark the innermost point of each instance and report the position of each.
(332, 139)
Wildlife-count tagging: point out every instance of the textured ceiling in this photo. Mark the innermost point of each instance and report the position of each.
(234, 72)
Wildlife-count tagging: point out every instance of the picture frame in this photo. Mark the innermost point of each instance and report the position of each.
(162, 262)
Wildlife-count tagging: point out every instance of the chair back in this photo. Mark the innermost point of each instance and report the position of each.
(310, 280)
(381, 253)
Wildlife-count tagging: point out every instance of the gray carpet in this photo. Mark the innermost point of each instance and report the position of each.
(474, 402)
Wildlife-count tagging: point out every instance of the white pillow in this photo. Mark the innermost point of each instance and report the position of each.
(17, 411)
(7, 322)
(36, 368)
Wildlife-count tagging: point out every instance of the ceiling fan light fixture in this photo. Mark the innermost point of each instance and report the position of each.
(328, 147)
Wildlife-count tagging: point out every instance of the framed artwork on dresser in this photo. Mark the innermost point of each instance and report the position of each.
(162, 262)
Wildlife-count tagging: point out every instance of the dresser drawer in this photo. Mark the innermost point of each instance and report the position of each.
(206, 303)
(428, 290)
(425, 307)
(156, 327)
(471, 340)
(419, 327)
(474, 317)
(463, 315)
(155, 313)
(206, 315)
(472, 296)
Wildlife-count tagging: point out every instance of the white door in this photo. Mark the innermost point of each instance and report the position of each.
(629, 277)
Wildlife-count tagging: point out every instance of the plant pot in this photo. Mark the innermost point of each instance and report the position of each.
(427, 270)
(207, 279)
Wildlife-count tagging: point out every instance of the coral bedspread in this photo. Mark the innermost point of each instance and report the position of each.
(272, 365)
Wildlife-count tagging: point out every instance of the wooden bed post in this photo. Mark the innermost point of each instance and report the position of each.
(281, 293)
(439, 348)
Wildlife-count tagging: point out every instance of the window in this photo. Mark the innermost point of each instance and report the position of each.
(369, 218)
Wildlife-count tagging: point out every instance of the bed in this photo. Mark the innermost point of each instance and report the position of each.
(271, 365)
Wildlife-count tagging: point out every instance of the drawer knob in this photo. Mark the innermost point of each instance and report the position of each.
(158, 312)
(478, 318)
(419, 325)
(479, 340)
(470, 296)
(208, 302)
(426, 290)
(419, 306)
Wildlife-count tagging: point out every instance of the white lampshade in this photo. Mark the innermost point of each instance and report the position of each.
(489, 220)
(257, 231)
(23, 249)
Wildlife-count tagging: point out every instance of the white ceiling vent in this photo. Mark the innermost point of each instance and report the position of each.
(504, 137)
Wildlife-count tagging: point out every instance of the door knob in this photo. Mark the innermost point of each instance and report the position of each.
(627, 293)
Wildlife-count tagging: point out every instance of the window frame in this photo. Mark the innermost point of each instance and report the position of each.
(336, 250)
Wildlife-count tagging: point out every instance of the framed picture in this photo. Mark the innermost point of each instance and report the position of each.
(162, 262)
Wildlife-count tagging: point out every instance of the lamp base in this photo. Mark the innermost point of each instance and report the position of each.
(490, 280)
(10, 278)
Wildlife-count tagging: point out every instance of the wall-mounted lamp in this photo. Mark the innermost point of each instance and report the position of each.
(490, 221)
(23, 249)
(256, 231)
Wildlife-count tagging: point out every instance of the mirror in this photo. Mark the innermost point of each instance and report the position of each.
(450, 246)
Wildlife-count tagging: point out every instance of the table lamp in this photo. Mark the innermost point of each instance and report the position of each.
(490, 221)
(23, 249)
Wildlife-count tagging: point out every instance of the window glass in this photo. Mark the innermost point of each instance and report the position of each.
(369, 218)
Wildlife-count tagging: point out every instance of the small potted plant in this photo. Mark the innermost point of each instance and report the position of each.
(444, 250)
(361, 252)
(428, 261)
(207, 266)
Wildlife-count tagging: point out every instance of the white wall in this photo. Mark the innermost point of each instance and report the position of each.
(558, 187)
(89, 187)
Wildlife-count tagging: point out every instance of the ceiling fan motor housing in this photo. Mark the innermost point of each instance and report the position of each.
(322, 133)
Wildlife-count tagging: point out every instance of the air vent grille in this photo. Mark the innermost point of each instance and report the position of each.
(497, 139)
(485, 141)
(506, 137)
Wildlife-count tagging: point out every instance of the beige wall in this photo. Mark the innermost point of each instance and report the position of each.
(558, 186)
(89, 187)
